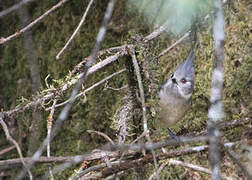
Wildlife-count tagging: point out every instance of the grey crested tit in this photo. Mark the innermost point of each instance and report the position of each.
(176, 94)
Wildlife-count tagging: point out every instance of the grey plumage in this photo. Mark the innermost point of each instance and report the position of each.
(175, 95)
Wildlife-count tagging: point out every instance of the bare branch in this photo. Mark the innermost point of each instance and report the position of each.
(29, 26)
(14, 7)
(216, 113)
(183, 164)
(9, 138)
(96, 155)
(6, 150)
(140, 86)
(161, 167)
(91, 87)
(156, 33)
(76, 30)
(235, 160)
(173, 45)
(148, 146)
(118, 166)
(49, 130)
(227, 125)
(103, 135)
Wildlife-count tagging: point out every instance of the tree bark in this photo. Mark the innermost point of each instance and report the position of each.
(36, 124)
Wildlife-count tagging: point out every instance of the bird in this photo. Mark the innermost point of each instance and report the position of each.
(175, 96)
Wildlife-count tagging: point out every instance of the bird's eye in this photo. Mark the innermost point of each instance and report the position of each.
(172, 75)
(183, 80)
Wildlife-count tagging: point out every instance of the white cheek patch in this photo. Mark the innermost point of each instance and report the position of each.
(186, 96)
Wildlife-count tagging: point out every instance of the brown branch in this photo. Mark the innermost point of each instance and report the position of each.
(6, 150)
(12, 163)
(29, 26)
(118, 166)
(103, 135)
(9, 138)
(49, 130)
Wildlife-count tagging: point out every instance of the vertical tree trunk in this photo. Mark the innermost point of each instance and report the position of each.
(32, 59)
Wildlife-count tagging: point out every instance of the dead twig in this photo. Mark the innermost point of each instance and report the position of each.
(236, 161)
(90, 88)
(103, 135)
(9, 138)
(173, 45)
(76, 30)
(6, 150)
(49, 130)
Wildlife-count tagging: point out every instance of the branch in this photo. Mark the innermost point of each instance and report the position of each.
(6, 150)
(9, 138)
(103, 135)
(215, 113)
(149, 146)
(118, 166)
(140, 86)
(227, 125)
(76, 30)
(173, 45)
(236, 161)
(49, 130)
(29, 26)
(91, 87)
(122, 52)
(14, 163)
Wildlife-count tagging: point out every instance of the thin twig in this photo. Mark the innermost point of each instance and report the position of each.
(157, 145)
(161, 167)
(140, 86)
(64, 113)
(29, 26)
(234, 158)
(173, 45)
(76, 30)
(216, 113)
(14, 7)
(13, 141)
(91, 87)
(103, 135)
(155, 33)
(49, 130)
(6, 150)
(186, 165)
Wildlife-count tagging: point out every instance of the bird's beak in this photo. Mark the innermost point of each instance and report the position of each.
(174, 81)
